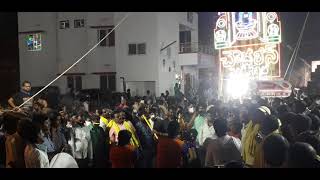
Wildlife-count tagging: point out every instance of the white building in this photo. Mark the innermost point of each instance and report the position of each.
(149, 50)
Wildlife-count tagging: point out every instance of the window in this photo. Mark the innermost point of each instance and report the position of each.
(112, 82)
(190, 17)
(78, 80)
(101, 34)
(142, 48)
(103, 83)
(74, 82)
(169, 52)
(137, 48)
(132, 49)
(70, 82)
(64, 24)
(34, 42)
(78, 23)
(110, 40)
(108, 82)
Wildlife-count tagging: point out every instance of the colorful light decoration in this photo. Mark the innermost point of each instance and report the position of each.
(232, 28)
(248, 44)
(33, 42)
(258, 62)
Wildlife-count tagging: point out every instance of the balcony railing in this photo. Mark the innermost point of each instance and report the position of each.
(195, 47)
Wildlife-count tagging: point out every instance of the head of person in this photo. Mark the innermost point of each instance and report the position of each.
(26, 86)
(124, 137)
(315, 124)
(95, 119)
(235, 127)
(98, 112)
(79, 119)
(201, 109)
(221, 127)
(282, 109)
(302, 155)
(123, 101)
(260, 114)
(173, 129)
(107, 113)
(300, 124)
(30, 131)
(209, 119)
(119, 117)
(171, 112)
(276, 102)
(154, 110)
(167, 92)
(10, 122)
(142, 110)
(299, 106)
(128, 90)
(269, 124)
(54, 119)
(244, 116)
(162, 95)
(275, 150)
(287, 118)
(42, 121)
(148, 92)
(310, 138)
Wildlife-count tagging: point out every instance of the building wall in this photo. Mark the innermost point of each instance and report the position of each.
(39, 67)
(102, 59)
(193, 71)
(168, 32)
(62, 47)
(182, 19)
(72, 43)
(139, 27)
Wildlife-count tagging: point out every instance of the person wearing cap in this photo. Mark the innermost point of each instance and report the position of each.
(249, 142)
(270, 125)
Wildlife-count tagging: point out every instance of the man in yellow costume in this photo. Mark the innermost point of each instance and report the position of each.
(119, 123)
(249, 140)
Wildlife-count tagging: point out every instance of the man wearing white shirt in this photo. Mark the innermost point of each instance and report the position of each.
(80, 142)
(223, 149)
(207, 130)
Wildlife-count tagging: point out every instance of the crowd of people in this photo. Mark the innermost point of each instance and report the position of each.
(165, 132)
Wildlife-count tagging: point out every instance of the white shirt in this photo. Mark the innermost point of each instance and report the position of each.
(223, 150)
(81, 143)
(206, 132)
(86, 106)
(35, 158)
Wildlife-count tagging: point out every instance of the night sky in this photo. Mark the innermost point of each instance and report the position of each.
(292, 23)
